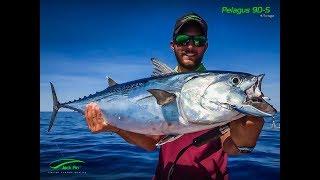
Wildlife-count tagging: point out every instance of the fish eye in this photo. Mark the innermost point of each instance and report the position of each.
(235, 80)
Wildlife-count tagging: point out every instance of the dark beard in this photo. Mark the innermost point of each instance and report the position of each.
(189, 67)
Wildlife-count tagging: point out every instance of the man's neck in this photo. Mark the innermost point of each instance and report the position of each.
(199, 68)
(182, 69)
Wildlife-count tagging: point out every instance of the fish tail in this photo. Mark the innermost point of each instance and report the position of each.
(56, 107)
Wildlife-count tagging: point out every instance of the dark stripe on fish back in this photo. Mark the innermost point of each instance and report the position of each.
(124, 87)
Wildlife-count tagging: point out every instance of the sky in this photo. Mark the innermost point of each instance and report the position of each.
(83, 42)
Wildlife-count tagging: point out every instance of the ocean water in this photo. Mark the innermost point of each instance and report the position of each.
(107, 156)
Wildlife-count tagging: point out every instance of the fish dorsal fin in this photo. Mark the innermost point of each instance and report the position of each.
(163, 97)
(111, 82)
(160, 68)
(168, 138)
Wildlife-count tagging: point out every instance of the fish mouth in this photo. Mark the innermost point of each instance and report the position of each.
(256, 99)
(262, 105)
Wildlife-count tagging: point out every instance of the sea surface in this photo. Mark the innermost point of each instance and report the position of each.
(107, 156)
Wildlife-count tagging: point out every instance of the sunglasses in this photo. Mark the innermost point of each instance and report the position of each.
(183, 39)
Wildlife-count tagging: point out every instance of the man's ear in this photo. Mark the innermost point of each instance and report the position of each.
(205, 46)
(172, 45)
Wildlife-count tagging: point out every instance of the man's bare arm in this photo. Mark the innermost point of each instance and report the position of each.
(243, 132)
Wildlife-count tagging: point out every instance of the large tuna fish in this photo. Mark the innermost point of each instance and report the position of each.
(170, 103)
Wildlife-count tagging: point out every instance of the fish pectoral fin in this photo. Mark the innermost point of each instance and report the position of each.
(163, 97)
(250, 110)
(111, 82)
(168, 138)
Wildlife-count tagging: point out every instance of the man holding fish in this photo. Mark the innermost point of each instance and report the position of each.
(208, 161)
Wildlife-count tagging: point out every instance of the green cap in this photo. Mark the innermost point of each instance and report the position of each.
(189, 18)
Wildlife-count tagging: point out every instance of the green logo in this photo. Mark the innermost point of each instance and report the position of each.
(66, 165)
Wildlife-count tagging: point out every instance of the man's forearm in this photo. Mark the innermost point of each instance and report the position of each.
(246, 131)
(243, 132)
(228, 145)
(141, 140)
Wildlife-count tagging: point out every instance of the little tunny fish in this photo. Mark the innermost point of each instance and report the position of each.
(170, 103)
